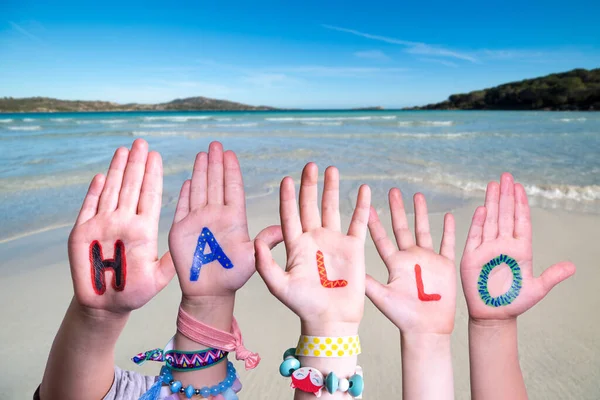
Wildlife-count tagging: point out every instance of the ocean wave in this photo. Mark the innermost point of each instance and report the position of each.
(304, 119)
(178, 118)
(240, 125)
(223, 119)
(112, 121)
(582, 119)
(159, 133)
(25, 128)
(425, 123)
(28, 119)
(158, 125)
(565, 192)
(324, 123)
(6, 120)
(60, 119)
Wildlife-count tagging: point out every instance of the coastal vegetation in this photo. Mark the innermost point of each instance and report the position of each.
(46, 104)
(576, 90)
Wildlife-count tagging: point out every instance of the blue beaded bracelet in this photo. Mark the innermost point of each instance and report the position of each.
(176, 386)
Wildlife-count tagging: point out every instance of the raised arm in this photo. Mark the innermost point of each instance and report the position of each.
(115, 269)
(498, 282)
(323, 283)
(212, 252)
(419, 297)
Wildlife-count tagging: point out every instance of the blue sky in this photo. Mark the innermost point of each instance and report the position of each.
(301, 54)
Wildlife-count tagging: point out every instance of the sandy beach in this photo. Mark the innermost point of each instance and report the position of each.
(558, 339)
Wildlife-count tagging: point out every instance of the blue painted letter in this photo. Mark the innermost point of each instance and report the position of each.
(216, 254)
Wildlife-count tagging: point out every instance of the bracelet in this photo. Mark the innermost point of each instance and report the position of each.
(215, 338)
(227, 388)
(319, 346)
(310, 380)
(182, 360)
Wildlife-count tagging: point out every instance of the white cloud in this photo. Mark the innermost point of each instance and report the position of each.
(412, 47)
(372, 55)
(438, 61)
(24, 32)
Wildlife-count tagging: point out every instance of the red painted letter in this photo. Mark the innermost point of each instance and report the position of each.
(422, 295)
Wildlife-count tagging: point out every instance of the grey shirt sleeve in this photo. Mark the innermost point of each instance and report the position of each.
(128, 385)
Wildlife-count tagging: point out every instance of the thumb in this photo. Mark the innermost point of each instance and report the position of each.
(274, 277)
(375, 291)
(271, 235)
(166, 269)
(555, 275)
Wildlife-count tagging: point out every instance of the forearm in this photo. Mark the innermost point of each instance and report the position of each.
(214, 311)
(81, 362)
(494, 357)
(426, 366)
(343, 367)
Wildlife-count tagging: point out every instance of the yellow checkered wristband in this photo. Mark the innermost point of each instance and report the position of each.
(319, 346)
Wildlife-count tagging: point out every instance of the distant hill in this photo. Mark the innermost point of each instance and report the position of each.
(46, 104)
(576, 90)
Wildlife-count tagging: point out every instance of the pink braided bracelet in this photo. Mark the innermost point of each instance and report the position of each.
(217, 339)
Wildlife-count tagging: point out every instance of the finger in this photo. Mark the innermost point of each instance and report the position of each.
(215, 173)
(309, 208)
(422, 223)
(275, 278)
(112, 186)
(506, 209)
(133, 176)
(385, 247)
(89, 208)
(360, 217)
(288, 211)
(375, 291)
(183, 204)
(475, 236)
(555, 275)
(404, 237)
(330, 205)
(522, 214)
(492, 197)
(447, 248)
(271, 236)
(166, 270)
(152, 187)
(199, 182)
(234, 184)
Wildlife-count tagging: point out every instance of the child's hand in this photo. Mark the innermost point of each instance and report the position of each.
(503, 228)
(122, 208)
(324, 279)
(214, 199)
(420, 295)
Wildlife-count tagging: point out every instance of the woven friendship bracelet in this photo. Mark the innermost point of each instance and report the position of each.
(318, 346)
(182, 360)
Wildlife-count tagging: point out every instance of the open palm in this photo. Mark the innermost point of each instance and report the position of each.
(413, 262)
(337, 295)
(123, 206)
(503, 228)
(214, 199)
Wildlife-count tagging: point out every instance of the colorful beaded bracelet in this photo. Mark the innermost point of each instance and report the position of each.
(182, 361)
(225, 388)
(310, 380)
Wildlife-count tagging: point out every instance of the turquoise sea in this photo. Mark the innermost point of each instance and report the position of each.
(47, 160)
